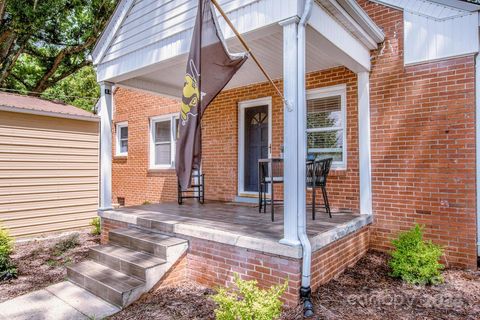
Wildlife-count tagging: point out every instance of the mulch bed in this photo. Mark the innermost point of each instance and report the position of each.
(40, 264)
(364, 291)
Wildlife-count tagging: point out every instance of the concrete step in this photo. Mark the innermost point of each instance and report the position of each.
(106, 283)
(163, 246)
(133, 263)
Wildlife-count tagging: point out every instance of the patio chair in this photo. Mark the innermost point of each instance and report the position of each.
(196, 190)
(270, 172)
(317, 173)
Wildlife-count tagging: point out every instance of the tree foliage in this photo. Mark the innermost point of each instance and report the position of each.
(44, 42)
(79, 89)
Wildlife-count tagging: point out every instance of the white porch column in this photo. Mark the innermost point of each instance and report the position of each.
(105, 112)
(365, 165)
(290, 131)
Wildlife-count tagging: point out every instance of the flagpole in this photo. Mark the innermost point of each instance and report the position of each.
(245, 45)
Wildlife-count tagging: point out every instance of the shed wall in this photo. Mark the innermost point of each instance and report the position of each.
(48, 173)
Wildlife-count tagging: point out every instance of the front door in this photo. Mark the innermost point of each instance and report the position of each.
(256, 144)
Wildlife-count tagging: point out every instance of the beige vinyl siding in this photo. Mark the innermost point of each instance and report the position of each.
(48, 173)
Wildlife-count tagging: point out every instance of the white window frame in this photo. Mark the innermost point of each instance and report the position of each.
(338, 90)
(153, 120)
(118, 127)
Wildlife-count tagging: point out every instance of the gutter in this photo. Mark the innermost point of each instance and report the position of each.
(305, 290)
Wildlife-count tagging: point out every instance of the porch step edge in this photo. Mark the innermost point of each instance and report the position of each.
(155, 243)
(106, 283)
(125, 260)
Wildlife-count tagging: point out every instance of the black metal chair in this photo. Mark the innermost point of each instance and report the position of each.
(196, 190)
(317, 173)
(270, 172)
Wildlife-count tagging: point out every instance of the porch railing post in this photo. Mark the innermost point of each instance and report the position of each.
(365, 165)
(290, 131)
(105, 112)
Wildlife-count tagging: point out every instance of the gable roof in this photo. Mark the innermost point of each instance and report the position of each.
(132, 13)
(32, 105)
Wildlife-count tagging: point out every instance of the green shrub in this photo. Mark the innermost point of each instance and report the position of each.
(415, 260)
(71, 241)
(248, 302)
(96, 228)
(7, 268)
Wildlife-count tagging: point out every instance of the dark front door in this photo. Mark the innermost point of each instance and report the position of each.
(256, 144)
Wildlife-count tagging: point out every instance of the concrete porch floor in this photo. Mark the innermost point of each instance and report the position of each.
(237, 224)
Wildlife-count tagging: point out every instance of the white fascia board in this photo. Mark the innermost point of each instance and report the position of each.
(355, 55)
(110, 30)
(363, 19)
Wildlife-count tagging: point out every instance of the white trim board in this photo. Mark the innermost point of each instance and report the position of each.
(242, 105)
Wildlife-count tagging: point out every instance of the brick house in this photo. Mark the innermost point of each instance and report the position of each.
(397, 80)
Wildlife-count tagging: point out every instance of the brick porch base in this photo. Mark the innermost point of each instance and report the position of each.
(213, 264)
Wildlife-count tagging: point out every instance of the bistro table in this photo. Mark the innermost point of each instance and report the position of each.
(270, 172)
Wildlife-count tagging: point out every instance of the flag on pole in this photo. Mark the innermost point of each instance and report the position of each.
(210, 66)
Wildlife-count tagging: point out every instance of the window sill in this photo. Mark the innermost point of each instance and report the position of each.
(160, 170)
(338, 172)
(120, 157)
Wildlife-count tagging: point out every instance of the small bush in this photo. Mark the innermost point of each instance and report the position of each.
(7, 268)
(415, 260)
(248, 302)
(96, 228)
(63, 245)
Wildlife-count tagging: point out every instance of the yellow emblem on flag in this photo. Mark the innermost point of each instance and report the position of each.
(191, 95)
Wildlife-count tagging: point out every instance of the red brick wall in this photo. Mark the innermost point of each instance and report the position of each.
(133, 180)
(131, 177)
(423, 145)
(214, 264)
(331, 261)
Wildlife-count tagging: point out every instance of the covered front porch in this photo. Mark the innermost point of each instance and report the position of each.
(236, 224)
(338, 35)
(304, 56)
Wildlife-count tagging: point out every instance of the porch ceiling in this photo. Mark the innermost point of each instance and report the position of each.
(267, 44)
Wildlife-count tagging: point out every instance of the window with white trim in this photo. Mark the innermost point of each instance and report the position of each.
(163, 137)
(326, 124)
(122, 139)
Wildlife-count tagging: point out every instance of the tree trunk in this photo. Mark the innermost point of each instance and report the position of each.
(45, 81)
(14, 50)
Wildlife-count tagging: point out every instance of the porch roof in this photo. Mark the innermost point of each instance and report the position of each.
(236, 224)
(145, 44)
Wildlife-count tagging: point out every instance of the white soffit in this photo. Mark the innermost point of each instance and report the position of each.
(168, 79)
(432, 9)
(435, 30)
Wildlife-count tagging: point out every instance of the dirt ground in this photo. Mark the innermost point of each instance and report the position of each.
(362, 292)
(41, 263)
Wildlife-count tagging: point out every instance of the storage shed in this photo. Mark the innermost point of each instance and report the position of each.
(48, 165)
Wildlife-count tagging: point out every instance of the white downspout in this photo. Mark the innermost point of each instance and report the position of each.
(305, 289)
